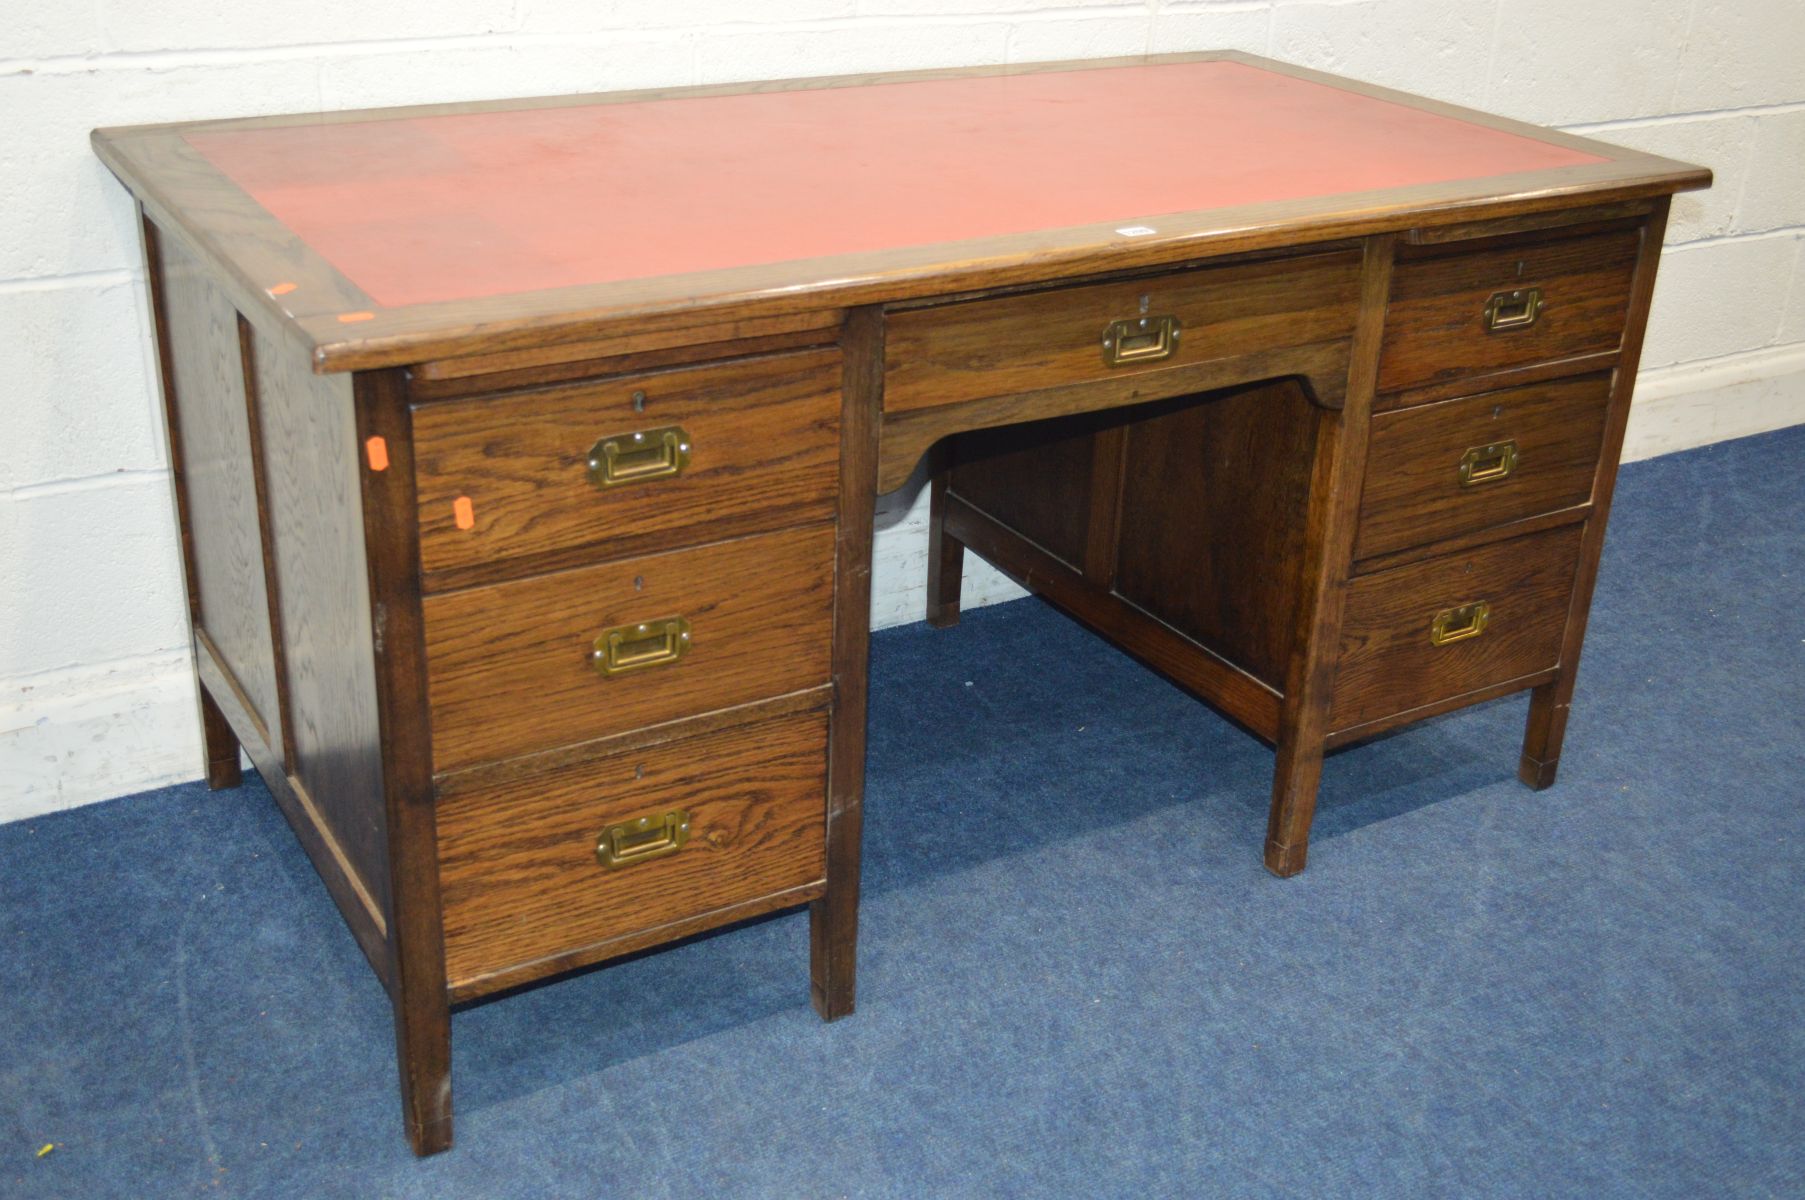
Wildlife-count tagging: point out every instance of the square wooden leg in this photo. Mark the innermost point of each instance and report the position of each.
(1296, 774)
(1547, 727)
(219, 745)
(946, 560)
(423, 1051)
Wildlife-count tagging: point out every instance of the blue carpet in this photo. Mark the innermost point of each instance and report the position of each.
(1077, 980)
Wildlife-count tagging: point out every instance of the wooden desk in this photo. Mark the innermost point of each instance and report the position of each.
(525, 455)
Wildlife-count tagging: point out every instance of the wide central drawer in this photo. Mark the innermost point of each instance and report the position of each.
(952, 353)
(534, 663)
(679, 454)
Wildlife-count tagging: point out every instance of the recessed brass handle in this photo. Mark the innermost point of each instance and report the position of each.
(642, 839)
(635, 647)
(1488, 464)
(1518, 309)
(1459, 624)
(1140, 340)
(638, 457)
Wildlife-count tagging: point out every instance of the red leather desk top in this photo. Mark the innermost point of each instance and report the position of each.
(438, 208)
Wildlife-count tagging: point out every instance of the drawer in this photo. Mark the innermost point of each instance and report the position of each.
(522, 872)
(1394, 658)
(1441, 470)
(1022, 343)
(1472, 309)
(512, 668)
(666, 454)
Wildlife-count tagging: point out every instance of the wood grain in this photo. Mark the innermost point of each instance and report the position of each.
(212, 421)
(1413, 491)
(1435, 329)
(219, 744)
(1549, 705)
(316, 519)
(1034, 478)
(422, 1006)
(1330, 517)
(1322, 368)
(508, 665)
(518, 863)
(1214, 494)
(1387, 661)
(834, 918)
(764, 442)
(1038, 340)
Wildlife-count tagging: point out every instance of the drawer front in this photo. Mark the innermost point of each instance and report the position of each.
(1471, 311)
(1013, 344)
(511, 667)
(668, 453)
(521, 866)
(1391, 661)
(1441, 470)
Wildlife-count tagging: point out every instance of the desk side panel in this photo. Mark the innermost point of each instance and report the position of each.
(213, 421)
(311, 458)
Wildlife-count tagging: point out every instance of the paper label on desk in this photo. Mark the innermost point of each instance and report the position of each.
(1136, 230)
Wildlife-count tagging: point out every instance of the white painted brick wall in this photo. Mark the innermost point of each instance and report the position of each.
(94, 695)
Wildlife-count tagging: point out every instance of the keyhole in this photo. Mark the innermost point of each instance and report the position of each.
(1519, 270)
(639, 583)
(1146, 303)
(639, 401)
(1497, 411)
(639, 772)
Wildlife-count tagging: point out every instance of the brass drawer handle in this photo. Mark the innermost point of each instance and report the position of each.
(1488, 464)
(635, 647)
(642, 840)
(1517, 309)
(1140, 340)
(638, 457)
(1459, 624)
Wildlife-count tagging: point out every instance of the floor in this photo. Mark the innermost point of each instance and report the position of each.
(1076, 979)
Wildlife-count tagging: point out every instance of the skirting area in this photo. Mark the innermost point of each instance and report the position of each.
(1077, 979)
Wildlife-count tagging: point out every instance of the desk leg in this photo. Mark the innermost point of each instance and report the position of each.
(834, 919)
(1549, 704)
(946, 558)
(1334, 509)
(416, 980)
(219, 744)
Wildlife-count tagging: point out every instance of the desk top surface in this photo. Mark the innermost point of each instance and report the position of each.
(523, 210)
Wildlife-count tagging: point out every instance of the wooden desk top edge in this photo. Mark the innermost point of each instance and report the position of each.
(194, 202)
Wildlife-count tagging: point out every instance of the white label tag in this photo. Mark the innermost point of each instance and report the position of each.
(1136, 230)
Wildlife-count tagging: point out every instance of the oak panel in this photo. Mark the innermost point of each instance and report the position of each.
(1413, 490)
(316, 526)
(1387, 661)
(1035, 479)
(518, 868)
(213, 425)
(1021, 343)
(1435, 328)
(764, 436)
(508, 665)
(1214, 495)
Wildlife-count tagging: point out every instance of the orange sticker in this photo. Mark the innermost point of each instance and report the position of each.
(377, 451)
(282, 289)
(352, 318)
(464, 512)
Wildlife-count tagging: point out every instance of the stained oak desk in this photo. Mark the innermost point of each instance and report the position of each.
(525, 456)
